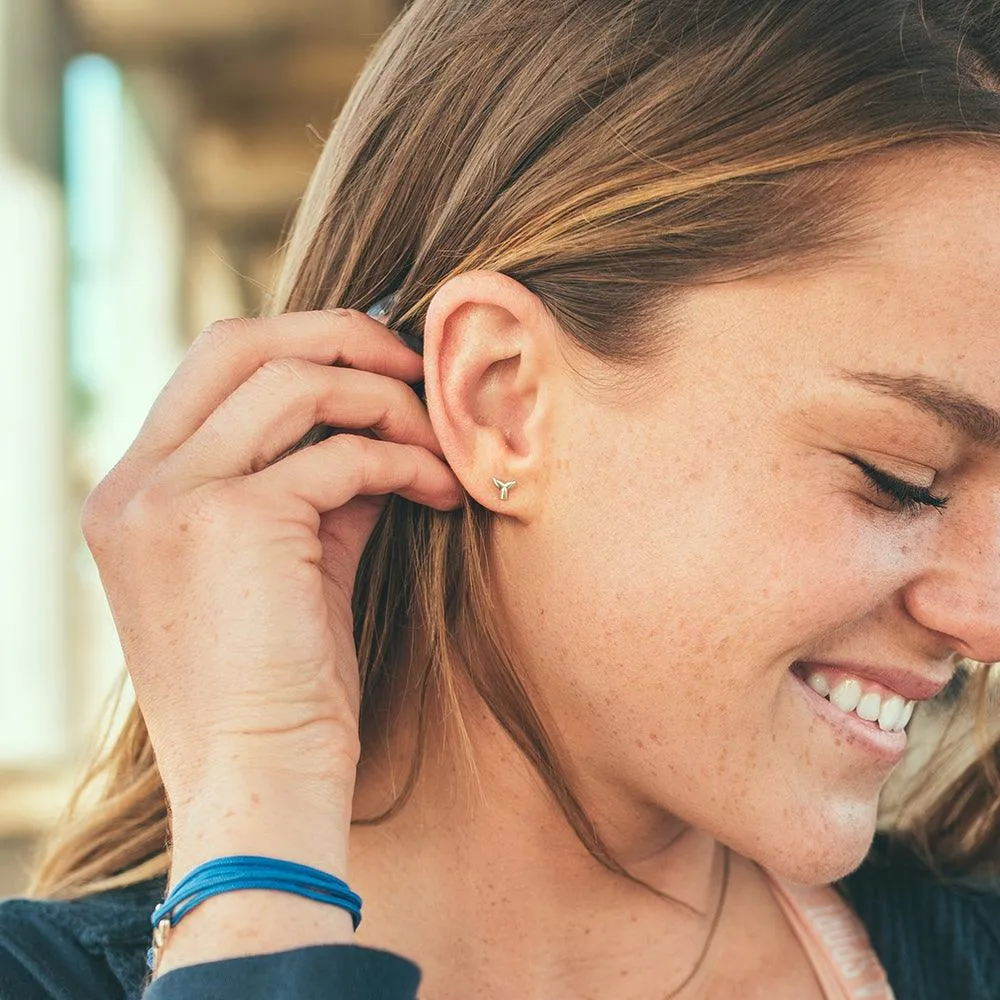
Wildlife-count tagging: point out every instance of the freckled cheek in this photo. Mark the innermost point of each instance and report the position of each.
(852, 560)
(665, 558)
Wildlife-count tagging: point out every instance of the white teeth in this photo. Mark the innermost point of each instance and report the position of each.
(907, 715)
(846, 695)
(869, 706)
(891, 713)
(818, 683)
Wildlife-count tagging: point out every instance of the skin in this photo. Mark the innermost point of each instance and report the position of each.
(666, 556)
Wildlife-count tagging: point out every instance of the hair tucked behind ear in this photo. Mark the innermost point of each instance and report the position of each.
(604, 153)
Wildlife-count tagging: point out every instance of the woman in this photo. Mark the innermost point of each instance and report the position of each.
(703, 501)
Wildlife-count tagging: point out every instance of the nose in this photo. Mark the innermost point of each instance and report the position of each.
(958, 597)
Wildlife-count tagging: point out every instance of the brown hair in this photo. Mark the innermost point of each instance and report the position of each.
(603, 153)
(947, 819)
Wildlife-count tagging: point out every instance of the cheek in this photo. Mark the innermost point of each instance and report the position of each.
(664, 604)
(718, 561)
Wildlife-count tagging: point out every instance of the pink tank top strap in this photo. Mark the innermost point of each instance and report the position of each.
(835, 941)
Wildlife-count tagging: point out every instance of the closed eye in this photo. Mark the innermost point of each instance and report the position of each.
(903, 497)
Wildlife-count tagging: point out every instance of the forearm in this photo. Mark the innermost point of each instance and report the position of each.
(263, 817)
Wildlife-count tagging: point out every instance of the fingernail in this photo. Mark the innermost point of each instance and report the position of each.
(381, 309)
(380, 312)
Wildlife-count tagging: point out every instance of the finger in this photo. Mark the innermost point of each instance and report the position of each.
(284, 400)
(329, 474)
(229, 352)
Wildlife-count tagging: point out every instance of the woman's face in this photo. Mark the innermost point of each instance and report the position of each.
(713, 538)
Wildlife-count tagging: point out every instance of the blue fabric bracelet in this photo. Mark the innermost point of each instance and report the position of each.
(247, 871)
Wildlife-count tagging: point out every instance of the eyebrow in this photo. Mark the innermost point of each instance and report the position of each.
(972, 417)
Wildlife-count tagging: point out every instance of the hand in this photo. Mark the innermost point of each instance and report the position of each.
(229, 574)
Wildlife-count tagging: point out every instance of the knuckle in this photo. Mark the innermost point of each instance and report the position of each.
(406, 402)
(103, 505)
(158, 516)
(407, 416)
(148, 507)
(341, 315)
(401, 395)
(283, 370)
(224, 332)
(351, 453)
(96, 513)
(395, 413)
(413, 467)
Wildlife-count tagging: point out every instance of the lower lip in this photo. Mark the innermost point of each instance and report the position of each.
(866, 736)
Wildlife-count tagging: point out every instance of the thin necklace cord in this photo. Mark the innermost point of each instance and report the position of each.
(711, 930)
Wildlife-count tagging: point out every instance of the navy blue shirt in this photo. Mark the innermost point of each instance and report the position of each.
(937, 941)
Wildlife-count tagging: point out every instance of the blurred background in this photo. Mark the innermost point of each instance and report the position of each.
(151, 155)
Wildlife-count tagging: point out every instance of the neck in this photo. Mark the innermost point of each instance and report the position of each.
(480, 871)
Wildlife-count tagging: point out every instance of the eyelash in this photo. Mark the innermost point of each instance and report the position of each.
(906, 498)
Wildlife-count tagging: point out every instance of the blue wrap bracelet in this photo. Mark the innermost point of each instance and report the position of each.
(246, 871)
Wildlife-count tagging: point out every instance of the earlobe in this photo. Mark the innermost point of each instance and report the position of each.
(489, 360)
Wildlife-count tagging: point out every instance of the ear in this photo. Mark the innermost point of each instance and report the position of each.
(490, 373)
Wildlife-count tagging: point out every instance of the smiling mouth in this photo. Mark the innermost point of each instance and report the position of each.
(867, 701)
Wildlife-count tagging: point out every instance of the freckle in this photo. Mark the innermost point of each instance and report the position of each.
(640, 744)
(254, 798)
(184, 525)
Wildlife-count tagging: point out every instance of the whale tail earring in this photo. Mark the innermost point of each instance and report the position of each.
(504, 488)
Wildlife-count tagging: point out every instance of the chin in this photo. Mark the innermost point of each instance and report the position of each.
(816, 849)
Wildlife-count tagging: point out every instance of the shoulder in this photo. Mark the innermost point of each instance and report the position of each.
(935, 937)
(90, 947)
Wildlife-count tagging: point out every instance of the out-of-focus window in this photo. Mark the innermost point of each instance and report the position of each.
(125, 239)
(91, 277)
(143, 191)
(33, 593)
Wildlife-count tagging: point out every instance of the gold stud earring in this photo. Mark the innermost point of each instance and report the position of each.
(504, 488)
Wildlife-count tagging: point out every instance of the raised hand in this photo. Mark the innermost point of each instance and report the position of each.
(229, 570)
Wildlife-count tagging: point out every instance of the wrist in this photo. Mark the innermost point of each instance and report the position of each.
(249, 922)
(265, 814)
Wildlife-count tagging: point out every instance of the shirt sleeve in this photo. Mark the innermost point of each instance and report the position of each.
(319, 972)
(43, 961)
